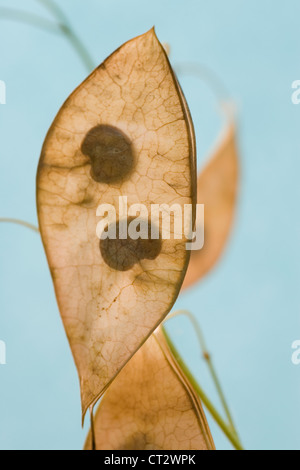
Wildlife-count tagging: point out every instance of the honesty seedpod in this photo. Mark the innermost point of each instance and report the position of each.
(151, 405)
(126, 131)
(217, 189)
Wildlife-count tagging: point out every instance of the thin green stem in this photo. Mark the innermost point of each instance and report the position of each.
(61, 26)
(55, 10)
(204, 398)
(79, 47)
(70, 34)
(30, 19)
(20, 222)
(208, 359)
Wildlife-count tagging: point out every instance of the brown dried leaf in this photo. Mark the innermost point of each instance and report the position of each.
(151, 406)
(126, 131)
(217, 190)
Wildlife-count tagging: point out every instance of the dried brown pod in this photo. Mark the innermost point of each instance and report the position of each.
(125, 132)
(217, 190)
(151, 406)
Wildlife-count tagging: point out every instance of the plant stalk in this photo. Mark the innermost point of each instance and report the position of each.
(232, 437)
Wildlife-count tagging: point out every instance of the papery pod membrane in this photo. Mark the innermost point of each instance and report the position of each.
(217, 189)
(151, 406)
(125, 132)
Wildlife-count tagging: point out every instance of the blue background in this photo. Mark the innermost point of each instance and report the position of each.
(249, 306)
